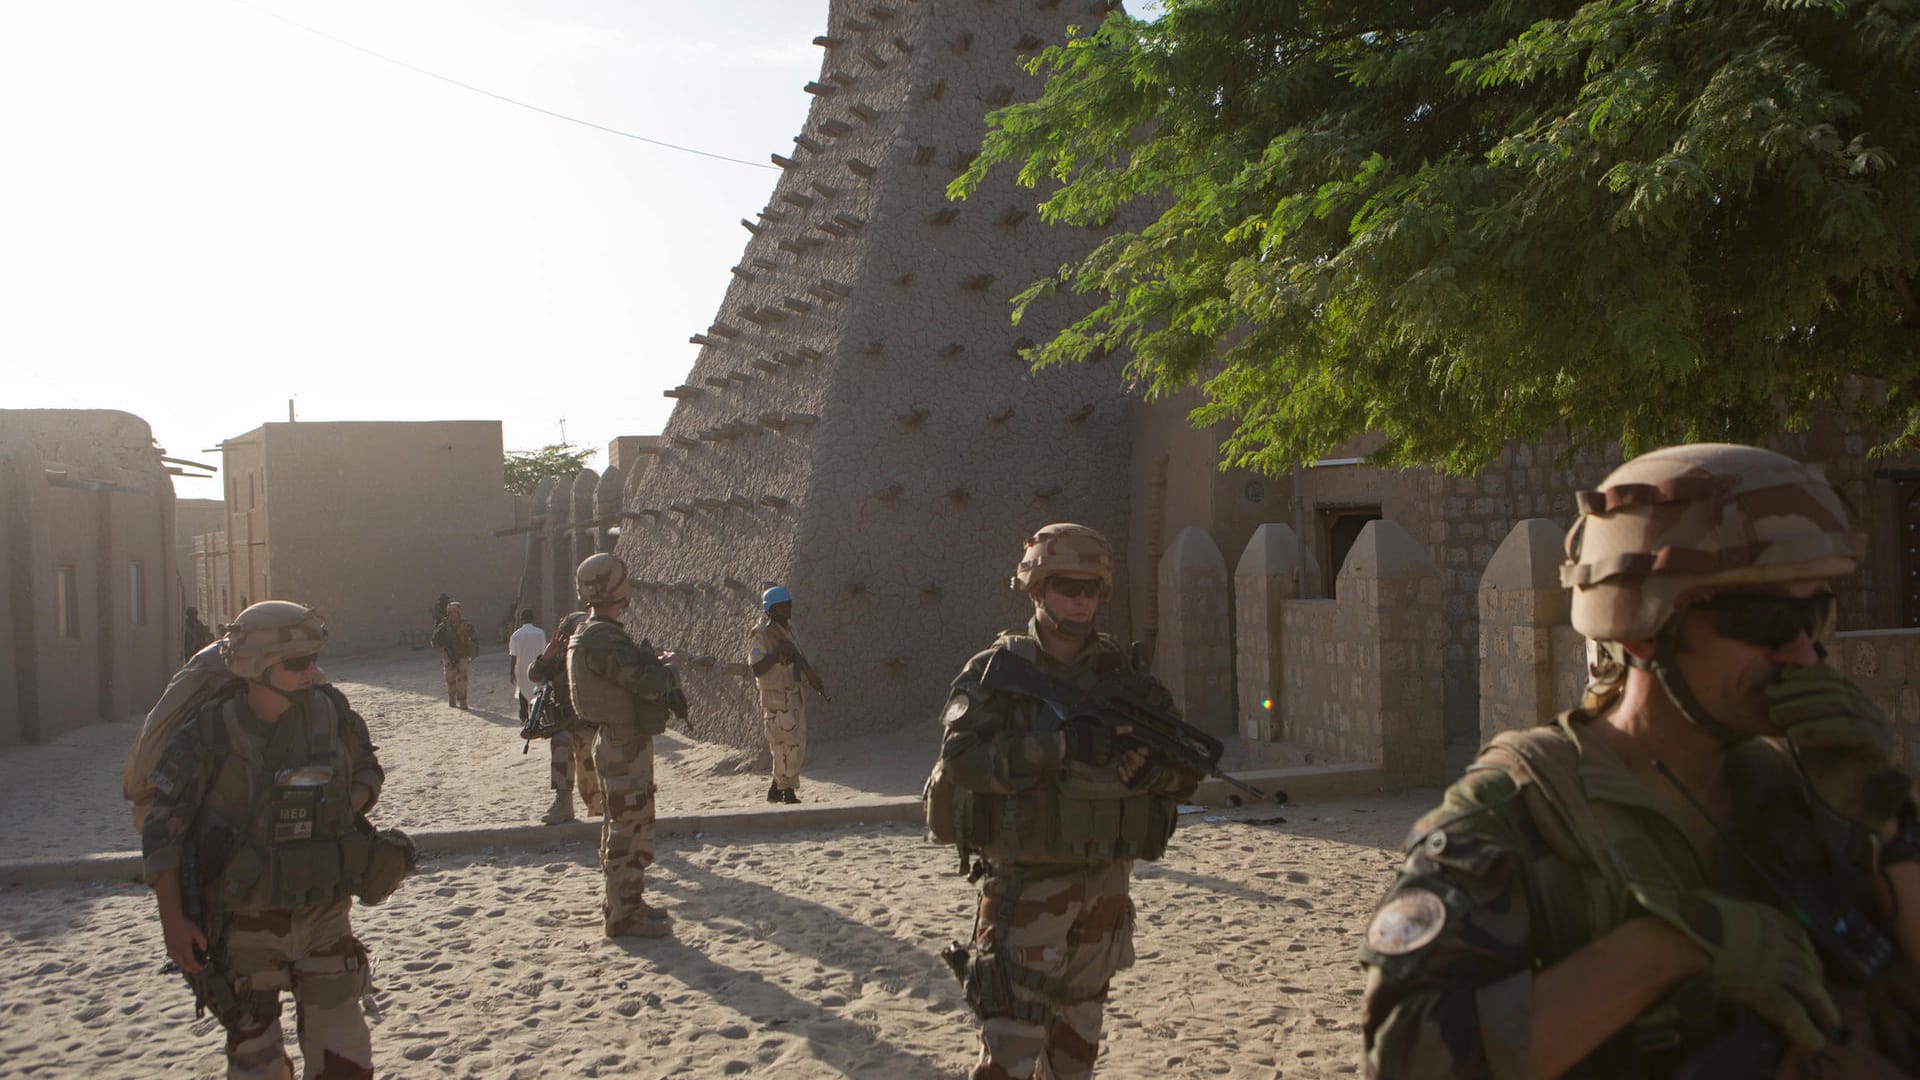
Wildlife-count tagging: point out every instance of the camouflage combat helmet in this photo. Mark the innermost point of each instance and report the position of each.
(1064, 547)
(601, 579)
(269, 632)
(1678, 524)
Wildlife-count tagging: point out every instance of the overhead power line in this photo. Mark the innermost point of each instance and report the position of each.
(499, 97)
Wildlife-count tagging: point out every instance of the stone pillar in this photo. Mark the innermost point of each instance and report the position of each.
(1388, 595)
(1521, 603)
(1269, 573)
(1194, 656)
(560, 560)
(608, 493)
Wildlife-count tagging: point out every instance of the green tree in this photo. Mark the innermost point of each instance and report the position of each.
(1458, 224)
(526, 468)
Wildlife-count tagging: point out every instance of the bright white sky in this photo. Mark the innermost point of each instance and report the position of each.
(205, 211)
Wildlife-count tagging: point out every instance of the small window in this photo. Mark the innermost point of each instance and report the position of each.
(66, 601)
(253, 499)
(137, 593)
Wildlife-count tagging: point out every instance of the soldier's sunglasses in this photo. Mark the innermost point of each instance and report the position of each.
(297, 663)
(1770, 620)
(1072, 587)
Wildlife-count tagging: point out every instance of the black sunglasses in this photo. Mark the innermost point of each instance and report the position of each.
(1770, 620)
(1072, 587)
(298, 663)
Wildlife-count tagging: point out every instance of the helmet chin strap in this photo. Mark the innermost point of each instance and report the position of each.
(1067, 628)
(1667, 673)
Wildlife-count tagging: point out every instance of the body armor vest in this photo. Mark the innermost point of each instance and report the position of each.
(598, 699)
(299, 845)
(1083, 814)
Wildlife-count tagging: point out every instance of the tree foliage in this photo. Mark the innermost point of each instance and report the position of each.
(1458, 224)
(526, 468)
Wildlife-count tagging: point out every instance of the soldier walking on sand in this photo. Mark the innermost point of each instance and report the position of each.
(623, 690)
(1057, 815)
(255, 845)
(778, 671)
(458, 645)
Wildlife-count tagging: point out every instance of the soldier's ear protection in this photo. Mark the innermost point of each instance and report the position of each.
(1770, 620)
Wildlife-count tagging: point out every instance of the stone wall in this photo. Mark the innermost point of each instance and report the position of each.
(860, 424)
(1362, 671)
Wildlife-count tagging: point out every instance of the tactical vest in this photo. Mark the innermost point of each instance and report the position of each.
(1082, 815)
(299, 845)
(600, 701)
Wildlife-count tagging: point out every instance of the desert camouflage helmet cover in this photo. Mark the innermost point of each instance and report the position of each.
(269, 632)
(601, 579)
(1677, 524)
(1064, 547)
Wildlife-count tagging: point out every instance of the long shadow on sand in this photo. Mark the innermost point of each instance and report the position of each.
(836, 1035)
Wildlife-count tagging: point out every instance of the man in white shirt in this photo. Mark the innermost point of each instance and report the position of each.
(523, 648)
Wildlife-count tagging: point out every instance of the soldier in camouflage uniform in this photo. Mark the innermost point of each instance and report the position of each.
(623, 691)
(1602, 896)
(253, 828)
(1058, 816)
(774, 655)
(458, 645)
(570, 747)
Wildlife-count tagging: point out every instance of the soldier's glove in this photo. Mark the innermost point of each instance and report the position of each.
(1847, 749)
(1089, 742)
(1759, 957)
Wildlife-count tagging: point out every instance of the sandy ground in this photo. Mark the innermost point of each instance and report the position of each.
(798, 954)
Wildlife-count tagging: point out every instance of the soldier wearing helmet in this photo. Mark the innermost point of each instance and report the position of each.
(625, 690)
(1057, 815)
(458, 645)
(779, 670)
(256, 843)
(1708, 868)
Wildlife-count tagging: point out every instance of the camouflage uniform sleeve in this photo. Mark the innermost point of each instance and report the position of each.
(981, 751)
(179, 785)
(360, 749)
(1449, 951)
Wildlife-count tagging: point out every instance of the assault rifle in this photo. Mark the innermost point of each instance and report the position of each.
(541, 713)
(1114, 703)
(193, 891)
(808, 675)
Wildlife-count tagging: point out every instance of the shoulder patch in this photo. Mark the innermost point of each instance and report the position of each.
(1410, 920)
(956, 709)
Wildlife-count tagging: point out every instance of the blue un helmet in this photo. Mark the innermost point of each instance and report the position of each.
(776, 595)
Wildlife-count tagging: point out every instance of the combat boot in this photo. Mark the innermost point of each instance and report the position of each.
(773, 791)
(787, 795)
(644, 921)
(561, 811)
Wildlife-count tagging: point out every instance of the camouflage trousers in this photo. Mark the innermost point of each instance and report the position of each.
(1054, 938)
(570, 758)
(312, 952)
(624, 758)
(787, 740)
(456, 672)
